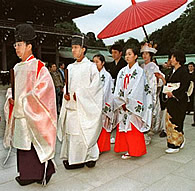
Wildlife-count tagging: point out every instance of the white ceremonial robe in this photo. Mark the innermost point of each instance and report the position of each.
(107, 111)
(132, 89)
(34, 117)
(155, 86)
(80, 121)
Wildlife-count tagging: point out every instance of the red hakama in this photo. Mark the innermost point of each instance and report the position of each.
(131, 141)
(104, 141)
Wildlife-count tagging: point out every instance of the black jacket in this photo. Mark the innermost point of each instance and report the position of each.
(114, 69)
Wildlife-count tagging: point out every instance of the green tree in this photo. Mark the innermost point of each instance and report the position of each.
(92, 41)
(179, 34)
(69, 27)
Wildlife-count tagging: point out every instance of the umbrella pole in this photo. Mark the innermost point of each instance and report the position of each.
(146, 34)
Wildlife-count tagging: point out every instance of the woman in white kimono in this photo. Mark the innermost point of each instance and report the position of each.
(156, 80)
(107, 107)
(133, 107)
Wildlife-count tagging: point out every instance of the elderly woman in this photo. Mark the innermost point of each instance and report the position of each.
(176, 92)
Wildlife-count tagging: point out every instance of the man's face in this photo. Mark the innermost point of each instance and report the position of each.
(62, 66)
(191, 67)
(53, 68)
(21, 49)
(77, 51)
(116, 55)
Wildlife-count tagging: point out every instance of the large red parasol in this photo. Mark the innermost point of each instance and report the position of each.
(139, 14)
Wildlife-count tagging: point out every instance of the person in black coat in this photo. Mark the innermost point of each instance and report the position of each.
(114, 67)
(177, 103)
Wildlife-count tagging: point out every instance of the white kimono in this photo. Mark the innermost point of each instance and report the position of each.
(149, 70)
(80, 121)
(132, 89)
(107, 111)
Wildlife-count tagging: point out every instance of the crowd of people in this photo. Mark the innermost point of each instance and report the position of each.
(95, 100)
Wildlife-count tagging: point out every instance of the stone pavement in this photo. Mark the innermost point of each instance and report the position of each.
(155, 171)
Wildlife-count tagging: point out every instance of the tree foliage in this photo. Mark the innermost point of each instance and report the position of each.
(179, 34)
(69, 27)
(92, 41)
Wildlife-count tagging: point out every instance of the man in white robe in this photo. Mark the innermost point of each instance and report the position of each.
(80, 120)
(31, 127)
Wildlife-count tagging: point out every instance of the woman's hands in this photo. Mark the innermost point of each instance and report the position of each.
(160, 76)
(169, 94)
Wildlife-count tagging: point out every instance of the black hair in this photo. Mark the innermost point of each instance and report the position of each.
(100, 56)
(180, 56)
(134, 50)
(155, 61)
(33, 43)
(51, 64)
(61, 63)
(85, 49)
(169, 55)
(191, 63)
(116, 47)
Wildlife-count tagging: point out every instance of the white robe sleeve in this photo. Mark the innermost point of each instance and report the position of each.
(89, 105)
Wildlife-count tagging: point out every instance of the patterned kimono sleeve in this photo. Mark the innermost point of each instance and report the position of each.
(108, 96)
(119, 93)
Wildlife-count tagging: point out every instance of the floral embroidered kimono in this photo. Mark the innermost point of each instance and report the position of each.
(80, 121)
(176, 108)
(31, 127)
(133, 92)
(107, 111)
(155, 86)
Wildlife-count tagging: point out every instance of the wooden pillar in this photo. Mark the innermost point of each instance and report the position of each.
(4, 56)
(39, 55)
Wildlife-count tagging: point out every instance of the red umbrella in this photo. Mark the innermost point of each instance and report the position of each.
(139, 14)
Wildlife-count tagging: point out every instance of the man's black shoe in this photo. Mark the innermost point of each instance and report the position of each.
(90, 164)
(24, 182)
(73, 166)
